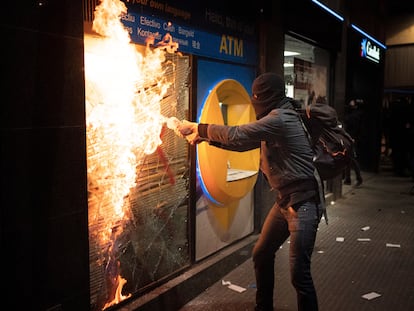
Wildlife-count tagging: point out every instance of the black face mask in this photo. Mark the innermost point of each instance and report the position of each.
(268, 90)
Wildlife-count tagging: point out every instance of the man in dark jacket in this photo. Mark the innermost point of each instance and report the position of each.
(286, 161)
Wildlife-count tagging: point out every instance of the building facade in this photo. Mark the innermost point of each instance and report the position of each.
(75, 236)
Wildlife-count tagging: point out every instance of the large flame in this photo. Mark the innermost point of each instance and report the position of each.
(124, 89)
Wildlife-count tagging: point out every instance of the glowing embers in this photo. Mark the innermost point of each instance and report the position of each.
(124, 89)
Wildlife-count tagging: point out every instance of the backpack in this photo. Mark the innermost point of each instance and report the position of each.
(332, 145)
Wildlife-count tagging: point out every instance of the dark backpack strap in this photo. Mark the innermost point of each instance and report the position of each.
(321, 188)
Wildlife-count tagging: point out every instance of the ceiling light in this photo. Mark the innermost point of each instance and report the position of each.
(290, 53)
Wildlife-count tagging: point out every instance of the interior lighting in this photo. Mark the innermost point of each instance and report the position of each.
(368, 36)
(290, 53)
(323, 6)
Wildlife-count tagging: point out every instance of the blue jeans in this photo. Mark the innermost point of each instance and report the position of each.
(300, 222)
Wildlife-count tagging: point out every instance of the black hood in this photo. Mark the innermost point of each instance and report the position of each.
(268, 90)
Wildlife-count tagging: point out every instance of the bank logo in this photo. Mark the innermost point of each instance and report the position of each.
(370, 50)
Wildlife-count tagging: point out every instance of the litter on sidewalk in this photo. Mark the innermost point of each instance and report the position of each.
(236, 288)
(392, 245)
(371, 295)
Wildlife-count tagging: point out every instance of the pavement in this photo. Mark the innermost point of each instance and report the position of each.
(363, 260)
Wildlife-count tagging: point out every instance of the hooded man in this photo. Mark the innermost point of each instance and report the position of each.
(286, 161)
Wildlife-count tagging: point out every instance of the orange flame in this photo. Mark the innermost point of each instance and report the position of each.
(124, 89)
(118, 296)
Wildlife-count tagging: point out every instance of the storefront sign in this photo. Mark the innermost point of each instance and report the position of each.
(219, 46)
(370, 50)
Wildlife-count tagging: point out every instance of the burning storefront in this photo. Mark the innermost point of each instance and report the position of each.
(137, 167)
(138, 71)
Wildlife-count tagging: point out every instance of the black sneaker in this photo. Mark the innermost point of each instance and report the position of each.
(359, 182)
(347, 182)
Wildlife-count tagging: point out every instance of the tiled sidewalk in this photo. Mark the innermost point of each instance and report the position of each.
(376, 222)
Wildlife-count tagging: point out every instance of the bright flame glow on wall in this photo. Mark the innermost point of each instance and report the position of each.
(124, 89)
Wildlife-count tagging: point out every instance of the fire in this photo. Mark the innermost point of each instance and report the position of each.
(124, 89)
(119, 283)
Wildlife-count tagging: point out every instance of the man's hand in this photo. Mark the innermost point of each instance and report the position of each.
(190, 131)
(186, 127)
(181, 129)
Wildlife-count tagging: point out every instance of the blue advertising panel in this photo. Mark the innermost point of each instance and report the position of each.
(210, 73)
(226, 47)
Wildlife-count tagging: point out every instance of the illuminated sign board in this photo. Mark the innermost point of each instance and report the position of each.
(190, 40)
(370, 50)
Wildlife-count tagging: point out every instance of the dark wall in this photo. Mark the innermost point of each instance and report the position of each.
(365, 81)
(369, 15)
(310, 21)
(44, 224)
